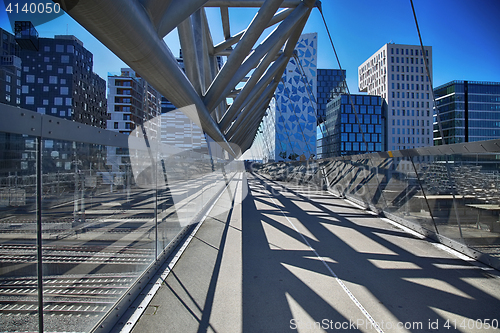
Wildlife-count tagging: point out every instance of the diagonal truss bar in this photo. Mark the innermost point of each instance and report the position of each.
(234, 75)
(133, 38)
(221, 47)
(249, 3)
(252, 34)
(254, 113)
(224, 15)
(156, 9)
(288, 52)
(135, 34)
(257, 89)
(190, 54)
(177, 12)
(241, 100)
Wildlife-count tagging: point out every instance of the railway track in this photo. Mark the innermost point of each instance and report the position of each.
(63, 295)
(68, 254)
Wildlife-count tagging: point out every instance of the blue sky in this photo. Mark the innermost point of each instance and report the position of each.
(464, 34)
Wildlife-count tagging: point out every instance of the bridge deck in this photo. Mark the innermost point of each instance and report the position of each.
(284, 258)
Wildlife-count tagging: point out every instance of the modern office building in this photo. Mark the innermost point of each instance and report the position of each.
(290, 124)
(397, 73)
(345, 134)
(58, 80)
(330, 84)
(469, 111)
(10, 69)
(131, 102)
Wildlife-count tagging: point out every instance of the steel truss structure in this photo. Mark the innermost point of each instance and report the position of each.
(134, 31)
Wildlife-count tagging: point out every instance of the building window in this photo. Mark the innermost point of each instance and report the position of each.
(58, 101)
(59, 48)
(30, 100)
(64, 90)
(53, 79)
(65, 59)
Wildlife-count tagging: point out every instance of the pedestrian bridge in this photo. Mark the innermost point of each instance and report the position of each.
(103, 232)
(287, 258)
(393, 241)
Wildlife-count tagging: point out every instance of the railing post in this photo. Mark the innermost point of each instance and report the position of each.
(39, 231)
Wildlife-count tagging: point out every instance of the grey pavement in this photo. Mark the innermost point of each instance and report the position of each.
(285, 258)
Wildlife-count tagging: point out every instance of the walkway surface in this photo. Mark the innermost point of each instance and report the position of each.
(287, 259)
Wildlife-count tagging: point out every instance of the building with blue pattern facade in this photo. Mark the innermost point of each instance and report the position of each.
(354, 125)
(289, 128)
(331, 83)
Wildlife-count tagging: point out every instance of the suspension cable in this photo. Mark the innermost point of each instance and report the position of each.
(345, 80)
(352, 103)
(438, 118)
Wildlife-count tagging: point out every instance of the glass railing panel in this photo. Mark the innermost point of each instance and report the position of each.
(400, 187)
(477, 181)
(438, 179)
(98, 232)
(339, 176)
(419, 210)
(360, 176)
(378, 180)
(18, 233)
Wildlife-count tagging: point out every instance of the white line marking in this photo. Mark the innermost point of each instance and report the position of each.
(339, 281)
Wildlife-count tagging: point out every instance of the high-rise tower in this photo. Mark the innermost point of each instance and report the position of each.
(397, 73)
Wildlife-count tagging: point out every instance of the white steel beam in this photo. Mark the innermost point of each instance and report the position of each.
(232, 76)
(177, 12)
(222, 47)
(252, 34)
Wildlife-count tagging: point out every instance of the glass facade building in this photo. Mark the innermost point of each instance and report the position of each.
(131, 102)
(330, 84)
(58, 80)
(10, 69)
(342, 133)
(469, 111)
